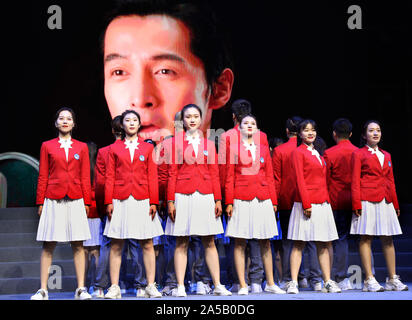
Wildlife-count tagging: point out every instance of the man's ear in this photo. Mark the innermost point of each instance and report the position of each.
(222, 90)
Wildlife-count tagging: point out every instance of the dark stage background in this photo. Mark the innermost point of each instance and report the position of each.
(291, 58)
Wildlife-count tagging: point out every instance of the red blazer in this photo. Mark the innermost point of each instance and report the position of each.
(285, 180)
(99, 179)
(310, 174)
(189, 173)
(232, 138)
(250, 179)
(124, 178)
(370, 181)
(339, 174)
(59, 178)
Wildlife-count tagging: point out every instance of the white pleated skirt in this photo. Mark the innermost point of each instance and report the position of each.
(63, 221)
(253, 219)
(319, 227)
(131, 220)
(377, 219)
(195, 215)
(96, 236)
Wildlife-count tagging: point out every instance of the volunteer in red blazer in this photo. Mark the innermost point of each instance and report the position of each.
(194, 197)
(132, 196)
(251, 202)
(285, 184)
(375, 205)
(339, 178)
(312, 217)
(63, 197)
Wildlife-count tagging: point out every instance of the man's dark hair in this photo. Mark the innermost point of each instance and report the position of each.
(207, 40)
(117, 126)
(342, 128)
(292, 124)
(241, 107)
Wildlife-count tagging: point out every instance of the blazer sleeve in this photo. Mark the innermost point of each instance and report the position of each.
(297, 161)
(392, 186)
(355, 185)
(328, 168)
(153, 179)
(214, 170)
(277, 169)
(43, 175)
(270, 178)
(85, 177)
(171, 181)
(99, 173)
(109, 178)
(230, 183)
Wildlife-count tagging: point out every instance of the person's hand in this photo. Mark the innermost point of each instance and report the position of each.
(218, 208)
(109, 211)
(39, 210)
(398, 212)
(307, 212)
(229, 210)
(171, 210)
(275, 208)
(152, 211)
(87, 208)
(358, 212)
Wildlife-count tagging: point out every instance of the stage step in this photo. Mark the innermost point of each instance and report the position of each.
(21, 254)
(29, 269)
(19, 240)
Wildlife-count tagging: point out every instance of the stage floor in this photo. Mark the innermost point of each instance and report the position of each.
(303, 295)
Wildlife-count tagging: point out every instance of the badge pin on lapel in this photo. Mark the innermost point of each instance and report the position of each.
(262, 159)
(141, 158)
(205, 153)
(76, 156)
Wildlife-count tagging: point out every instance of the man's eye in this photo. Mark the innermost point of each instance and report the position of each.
(166, 72)
(118, 72)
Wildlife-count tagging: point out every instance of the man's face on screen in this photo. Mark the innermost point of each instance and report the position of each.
(149, 67)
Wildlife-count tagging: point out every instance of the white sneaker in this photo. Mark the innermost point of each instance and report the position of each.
(395, 284)
(203, 288)
(331, 287)
(317, 286)
(220, 290)
(152, 292)
(140, 293)
(284, 285)
(243, 291)
(180, 291)
(292, 287)
(345, 284)
(82, 294)
(256, 288)
(303, 283)
(113, 292)
(372, 285)
(98, 293)
(41, 294)
(274, 289)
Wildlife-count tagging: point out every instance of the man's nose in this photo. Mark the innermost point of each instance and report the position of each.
(143, 94)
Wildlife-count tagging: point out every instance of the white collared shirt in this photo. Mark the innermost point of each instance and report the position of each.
(66, 144)
(250, 147)
(378, 153)
(314, 153)
(194, 140)
(132, 145)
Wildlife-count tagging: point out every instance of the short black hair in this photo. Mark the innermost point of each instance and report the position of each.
(242, 116)
(208, 41)
(57, 114)
(342, 128)
(188, 106)
(241, 107)
(293, 123)
(117, 126)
